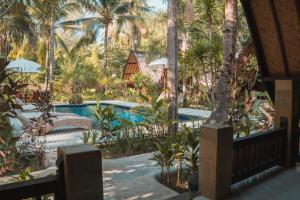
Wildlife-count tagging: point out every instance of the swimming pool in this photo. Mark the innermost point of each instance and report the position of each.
(86, 110)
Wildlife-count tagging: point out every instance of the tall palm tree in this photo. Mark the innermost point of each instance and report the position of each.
(48, 13)
(14, 25)
(207, 13)
(138, 9)
(5, 6)
(172, 64)
(220, 112)
(106, 12)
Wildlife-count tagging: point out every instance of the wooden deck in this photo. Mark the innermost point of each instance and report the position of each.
(277, 184)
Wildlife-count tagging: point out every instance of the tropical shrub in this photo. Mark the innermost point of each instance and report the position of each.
(8, 91)
(42, 101)
(164, 157)
(180, 150)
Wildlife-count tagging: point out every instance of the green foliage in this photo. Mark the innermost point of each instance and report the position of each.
(182, 148)
(119, 135)
(8, 90)
(164, 156)
(139, 80)
(90, 136)
(7, 152)
(154, 111)
(191, 155)
(85, 137)
(24, 175)
(42, 101)
(75, 99)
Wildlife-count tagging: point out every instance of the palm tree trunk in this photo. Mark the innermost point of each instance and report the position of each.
(105, 48)
(47, 68)
(211, 88)
(220, 112)
(178, 173)
(172, 64)
(184, 47)
(51, 58)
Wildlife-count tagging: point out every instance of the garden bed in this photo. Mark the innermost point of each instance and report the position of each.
(172, 184)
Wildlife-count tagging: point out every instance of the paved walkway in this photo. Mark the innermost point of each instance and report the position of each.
(280, 184)
(131, 178)
(126, 178)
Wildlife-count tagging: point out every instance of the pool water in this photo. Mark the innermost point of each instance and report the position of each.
(86, 110)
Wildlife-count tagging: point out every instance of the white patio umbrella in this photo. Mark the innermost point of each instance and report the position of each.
(24, 66)
(155, 66)
(161, 61)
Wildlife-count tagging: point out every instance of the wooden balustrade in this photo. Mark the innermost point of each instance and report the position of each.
(79, 176)
(258, 152)
(35, 188)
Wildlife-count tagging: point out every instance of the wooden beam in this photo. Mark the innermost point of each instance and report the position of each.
(279, 38)
(274, 78)
(297, 5)
(260, 55)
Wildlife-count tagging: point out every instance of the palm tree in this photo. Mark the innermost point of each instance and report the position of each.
(135, 26)
(47, 13)
(69, 75)
(14, 26)
(172, 64)
(207, 11)
(106, 12)
(5, 6)
(220, 112)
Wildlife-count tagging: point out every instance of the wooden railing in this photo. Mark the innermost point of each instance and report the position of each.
(258, 152)
(35, 188)
(52, 185)
(65, 185)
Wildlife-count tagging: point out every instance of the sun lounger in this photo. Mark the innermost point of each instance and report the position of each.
(59, 120)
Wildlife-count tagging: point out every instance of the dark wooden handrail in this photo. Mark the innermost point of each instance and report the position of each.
(255, 153)
(32, 188)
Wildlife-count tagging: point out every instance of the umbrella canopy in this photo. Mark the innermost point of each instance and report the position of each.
(161, 61)
(23, 65)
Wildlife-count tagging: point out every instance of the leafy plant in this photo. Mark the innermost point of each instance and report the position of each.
(24, 175)
(178, 148)
(90, 137)
(75, 97)
(164, 156)
(191, 155)
(154, 111)
(8, 91)
(86, 137)
(42, 101)
(8, 152)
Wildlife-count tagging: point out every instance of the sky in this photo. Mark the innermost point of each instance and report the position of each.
(157, 4)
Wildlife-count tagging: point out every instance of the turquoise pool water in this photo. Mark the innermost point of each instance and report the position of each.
(86, 110)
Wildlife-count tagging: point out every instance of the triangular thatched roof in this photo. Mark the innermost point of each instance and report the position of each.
(136, 63)
(275, 29)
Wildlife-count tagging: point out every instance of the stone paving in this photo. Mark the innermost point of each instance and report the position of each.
(126, 178)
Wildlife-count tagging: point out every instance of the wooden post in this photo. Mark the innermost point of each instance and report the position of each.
(82, 171)
(287, 106)
(215, 169)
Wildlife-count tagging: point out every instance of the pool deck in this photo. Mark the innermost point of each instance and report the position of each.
(182, 111)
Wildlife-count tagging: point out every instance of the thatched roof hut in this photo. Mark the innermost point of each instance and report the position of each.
(136, 63)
